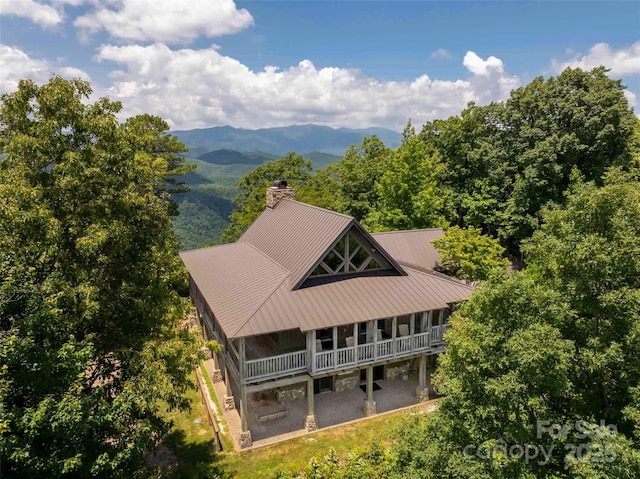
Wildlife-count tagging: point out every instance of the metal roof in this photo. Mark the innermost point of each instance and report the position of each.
(412, 248)
(249, 284)
(296, 235)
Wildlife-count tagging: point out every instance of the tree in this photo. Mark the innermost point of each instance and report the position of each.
(293, 169)
(90, 347)
(468, 254)
(535, 360)
(357, 173)
(590, 252)
(408, 196)
(504, 162)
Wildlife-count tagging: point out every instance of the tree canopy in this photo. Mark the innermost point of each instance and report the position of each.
(90, 346)
(468, 254)
(251, 201)
(502, 163)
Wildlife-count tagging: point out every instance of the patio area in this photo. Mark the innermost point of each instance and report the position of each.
(331, 408)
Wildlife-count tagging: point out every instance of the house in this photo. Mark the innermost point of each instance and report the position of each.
(307, 299)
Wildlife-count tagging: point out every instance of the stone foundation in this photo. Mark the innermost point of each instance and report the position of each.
(229, 403)
(422, 394)
(347, 381)
(245, 440)
(311, 424)
(369, 408)
(396, 371)
(216, 376)
(291, 393)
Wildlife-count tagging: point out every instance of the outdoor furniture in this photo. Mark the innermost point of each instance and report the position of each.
(272, 416)
(349, 341)
(403, 330)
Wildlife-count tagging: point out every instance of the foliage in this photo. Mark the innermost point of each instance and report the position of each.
(89, 340)
(502, 163)
(408, 196)
(468, 254)
(357, 173)
(590, 253)
(251, 200)
(554, 346)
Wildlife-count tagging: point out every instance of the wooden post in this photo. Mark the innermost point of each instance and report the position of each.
(245, 434)
(311, 347)
(242, 358)
(229, 402)
(311, 424)
(394, 331)
(369, 406)
(422, 391)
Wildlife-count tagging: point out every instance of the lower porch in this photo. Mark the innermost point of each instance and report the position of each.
(273, 416)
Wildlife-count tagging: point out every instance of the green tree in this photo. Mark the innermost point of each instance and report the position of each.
(468, 254)
(293, 169)
(502, 163)
(357, 173)
(90, 347)
(408, 196)
(554, 345)
(590, 252)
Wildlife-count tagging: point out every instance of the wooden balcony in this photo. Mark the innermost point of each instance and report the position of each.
(343, 358)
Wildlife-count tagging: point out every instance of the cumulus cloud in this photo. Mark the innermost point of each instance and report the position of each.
(477, 65)
(43, 15)
(17, 65)
(441, 53)
(199, 88)
(622, 62)
(166, 21)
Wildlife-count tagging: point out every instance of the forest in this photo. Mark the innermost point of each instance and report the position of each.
(539, 196)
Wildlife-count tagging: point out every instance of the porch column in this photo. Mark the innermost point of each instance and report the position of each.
(229, 402)
(422, 391)
(369, 406)
(245, 434)
(311, 424)
(216, 374)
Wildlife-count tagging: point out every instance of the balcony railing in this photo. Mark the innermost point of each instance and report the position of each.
(323, 361)
(275, 365)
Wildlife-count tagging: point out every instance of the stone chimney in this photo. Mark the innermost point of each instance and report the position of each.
(278, 191)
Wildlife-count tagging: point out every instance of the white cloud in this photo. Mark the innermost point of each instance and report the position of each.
(199, 88)
(166, 21)
(43, 15)
(17, 65)
(441, 53)
(622, 62)
(477, 65)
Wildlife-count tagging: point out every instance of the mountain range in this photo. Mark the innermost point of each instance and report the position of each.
(281, 140)
(224, 154)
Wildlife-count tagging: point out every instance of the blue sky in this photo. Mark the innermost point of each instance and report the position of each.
(271, 63)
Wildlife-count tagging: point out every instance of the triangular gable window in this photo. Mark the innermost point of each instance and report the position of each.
(352, 253)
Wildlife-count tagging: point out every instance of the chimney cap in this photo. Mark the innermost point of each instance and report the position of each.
(279, 183)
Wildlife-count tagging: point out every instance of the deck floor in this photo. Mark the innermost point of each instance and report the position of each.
(332, 408)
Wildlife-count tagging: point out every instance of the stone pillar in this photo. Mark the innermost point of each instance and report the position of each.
(229, 402)
(245, 434)
(311, 423)
(369, 406)
(422, 391)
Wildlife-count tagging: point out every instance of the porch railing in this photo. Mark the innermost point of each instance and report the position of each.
(343, 357)
(290, 362)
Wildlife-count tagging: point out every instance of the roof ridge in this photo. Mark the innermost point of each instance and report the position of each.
(315, 208)
(406, 231)
(442, 276)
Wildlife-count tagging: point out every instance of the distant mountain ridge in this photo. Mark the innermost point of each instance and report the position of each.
(281, 140)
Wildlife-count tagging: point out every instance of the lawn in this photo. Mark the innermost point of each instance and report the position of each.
(293, 455)
(192, 441)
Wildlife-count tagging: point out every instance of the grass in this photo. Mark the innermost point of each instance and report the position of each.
(191, 439)
(292, 456)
